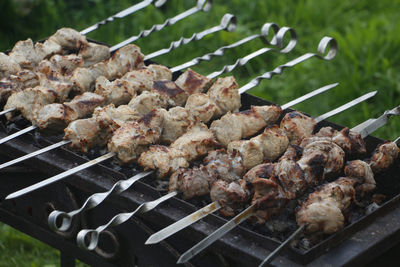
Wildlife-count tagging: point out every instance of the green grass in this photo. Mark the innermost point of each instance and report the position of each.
(367, 33)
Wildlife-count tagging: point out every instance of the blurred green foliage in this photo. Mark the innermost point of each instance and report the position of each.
(367, 32)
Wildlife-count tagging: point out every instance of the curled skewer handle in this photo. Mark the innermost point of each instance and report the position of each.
(277, 40)
(221, 51)
(202, 5)
(123, 13)
(89, 238)
(322, 53)
(93, 201)
(228, 23)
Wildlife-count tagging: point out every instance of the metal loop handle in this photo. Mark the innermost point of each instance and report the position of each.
(321, 51)
(89, 238)
(277, 40)
(265, 32)
(201, 5)
(228, 22)
(91, 202)
(123, 13)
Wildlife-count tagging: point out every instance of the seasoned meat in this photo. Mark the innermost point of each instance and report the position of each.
(323, 210)
(224, 166)
(94, 53)
(133, 138)
(144, 78)
(224, 93)
(231, 196)
(239, 125)
(8, 66)
(383, 156)
(169, 90)
(351, 142)
(147, 101)
(30, 100)
(68, 39)
(175, 123)
(265, 170)
(25, 55)
(269, 198)
(297, 126)
(117, 92)
(192, 82)
(362, 173)
(163, 159)
(202, 107)
(192, 182)
(63, 64)
(320, 159)
(124, 60)
(58, 116)
(196, 142)
(18, 82)
(267, 146)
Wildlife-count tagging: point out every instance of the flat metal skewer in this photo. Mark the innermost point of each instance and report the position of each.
(123, 13)
(71, 171)
(228, 22)
(202, 5)
(249, 211)
(120, 186)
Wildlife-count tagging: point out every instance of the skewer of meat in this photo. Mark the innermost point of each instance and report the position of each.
(123, 86)
(230, 166)
(146, 102)
(30, 55)
(111, 154)
(263, 200)
(83, 78)
(88, 238)
(121, 186)
(322, 212)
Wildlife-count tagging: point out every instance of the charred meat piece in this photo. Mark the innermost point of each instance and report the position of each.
(239, 125)
(321, 159)
(231, 196)
(265, 170)
(322, 213)
(8, 66)
(362, 173)
(147, 101)
(117, 92)
(224, 166)
(62, 64)
(192, 182)
(144, 77)
(202, 107)
(192, 82)
(297, 126)
(133, 138)
(94, 53)
(175, 123)
(57, 116)
(170, 91)
(18, 82)
(383, 156)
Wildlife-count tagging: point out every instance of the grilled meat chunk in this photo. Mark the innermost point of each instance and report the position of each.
(351, 142)
(192, 82)
(321, 159)
(239, 125)
(269, 145)
(18, 82)
(196, 142)
(297, 126)
(117, 92)
(224, 166)
(169, 90)
(362, 173)
(231, 196)
(60, 64)
(175, 123)
(8, 66)
(133, 138)
(24, 53)
(144, 78)
(93, 53)
(192, 182)
(58, 116)
(147, 101)
(202, 107)
(323, 210)
(383, 156)
(265, 170)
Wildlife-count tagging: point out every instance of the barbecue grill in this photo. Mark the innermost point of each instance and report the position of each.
(124, 244)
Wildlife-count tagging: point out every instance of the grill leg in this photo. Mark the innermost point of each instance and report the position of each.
(66, 260)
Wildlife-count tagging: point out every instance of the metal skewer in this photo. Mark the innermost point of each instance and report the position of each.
(123, 185)
(124, 13)
(202, 5)
(94, 162)
(249, 211)
(228, 22)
